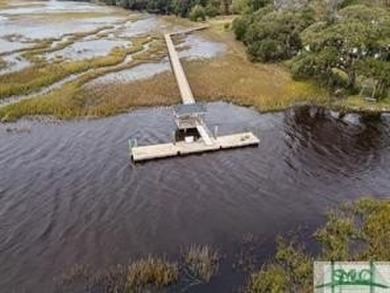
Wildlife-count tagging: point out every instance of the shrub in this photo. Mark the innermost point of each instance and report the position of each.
(197, 12)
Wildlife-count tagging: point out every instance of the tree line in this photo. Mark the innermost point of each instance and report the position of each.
(194, 9)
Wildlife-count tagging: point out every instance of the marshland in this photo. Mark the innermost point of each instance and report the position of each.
(79, 79)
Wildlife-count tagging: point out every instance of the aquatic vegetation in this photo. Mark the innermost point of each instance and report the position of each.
(155, 271)
(146, 274)
(201, 263)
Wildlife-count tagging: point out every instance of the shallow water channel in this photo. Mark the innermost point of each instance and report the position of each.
(69, 194)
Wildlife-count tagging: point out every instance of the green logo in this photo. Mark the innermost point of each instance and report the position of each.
(337, 277)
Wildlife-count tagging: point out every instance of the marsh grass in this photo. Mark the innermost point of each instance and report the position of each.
(147, 274)
(266, 87)
(44, 73)
(74, 99)
(200, 263)
(151, 271)
(143, 275)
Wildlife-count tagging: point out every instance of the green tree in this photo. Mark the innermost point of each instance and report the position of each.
(212, 8)
(197, 12)
(378, 70)
(240, 26)
(360, 33)
(276, 36)
(239, 6)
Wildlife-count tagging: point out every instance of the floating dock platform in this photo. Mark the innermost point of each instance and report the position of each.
(182, 148)
(189, 119)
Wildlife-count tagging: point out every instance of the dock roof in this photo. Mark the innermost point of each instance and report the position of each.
(190, 109)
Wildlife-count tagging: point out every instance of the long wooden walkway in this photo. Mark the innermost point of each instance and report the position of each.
(181, 79)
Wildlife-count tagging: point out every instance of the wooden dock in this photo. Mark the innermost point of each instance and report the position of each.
(182, 148)
(206, 142)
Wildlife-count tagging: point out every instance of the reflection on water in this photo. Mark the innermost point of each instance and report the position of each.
(68, 193)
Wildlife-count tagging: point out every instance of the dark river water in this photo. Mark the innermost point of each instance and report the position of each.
(69, 194)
